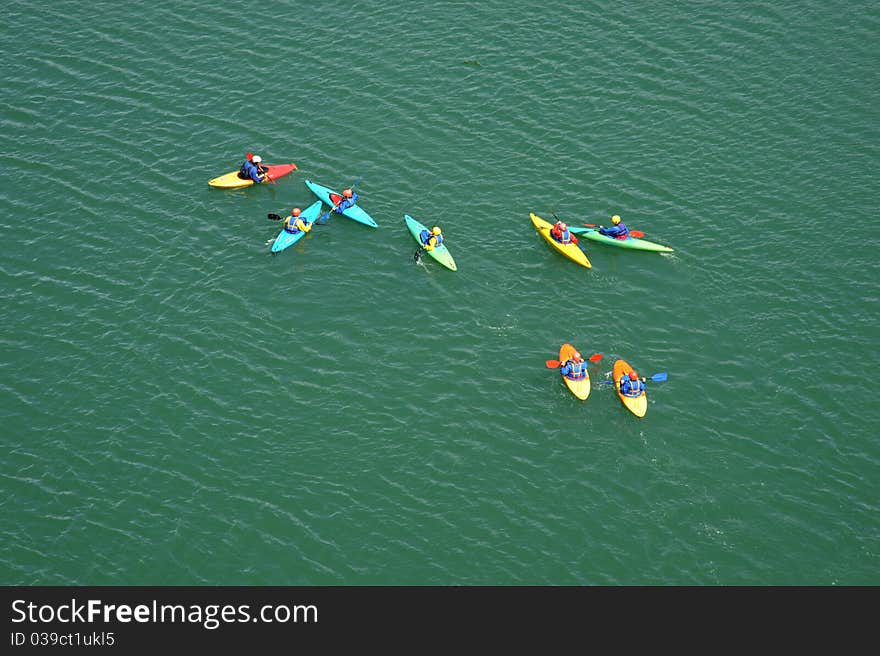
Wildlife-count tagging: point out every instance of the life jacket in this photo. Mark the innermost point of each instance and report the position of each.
(630, 388)
(294, 225)
(438, 239)
(565, 238)
(625, 232)
(578, 370)
(243, 171)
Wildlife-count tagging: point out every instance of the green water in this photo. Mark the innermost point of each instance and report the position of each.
(180, 407)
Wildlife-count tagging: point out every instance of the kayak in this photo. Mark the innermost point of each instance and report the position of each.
(232, 181)
(333, 199)
(638, 405)
(571, 251)
(286, 239)
(630, 242)
(439, 253)
(580, 388)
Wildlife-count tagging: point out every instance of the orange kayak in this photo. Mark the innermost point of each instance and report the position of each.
(580, 388)
(638, 405)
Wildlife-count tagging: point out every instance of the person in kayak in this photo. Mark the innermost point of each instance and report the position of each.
(618, 230)
(295, 224)
(349, 198)
(252, 169)
(561, 233)
(431, 240)
(630, 385)
(574, 368)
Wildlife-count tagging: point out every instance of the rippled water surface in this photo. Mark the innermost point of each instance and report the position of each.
(180, 407)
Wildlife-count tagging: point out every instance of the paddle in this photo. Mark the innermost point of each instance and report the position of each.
(321, 220)
(555, 364)
(657, 378)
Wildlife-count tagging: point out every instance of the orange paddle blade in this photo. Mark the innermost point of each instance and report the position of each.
(595, 357)
(638, 234)
(591, 225)
(553, 364)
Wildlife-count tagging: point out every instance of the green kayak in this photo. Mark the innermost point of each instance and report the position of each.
(630, 242)
(440, 253)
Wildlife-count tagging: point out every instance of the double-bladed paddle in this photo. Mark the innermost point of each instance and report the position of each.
(657, 378)
(555, 364)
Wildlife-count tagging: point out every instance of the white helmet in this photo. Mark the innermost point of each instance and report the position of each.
(257, 159)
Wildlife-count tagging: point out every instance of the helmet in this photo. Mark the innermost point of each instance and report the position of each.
(615, 219)
(435, 230)
(577, 356)
(562, 226)
(633, 375)
(347, 193)
(257, 159)
(295, 212)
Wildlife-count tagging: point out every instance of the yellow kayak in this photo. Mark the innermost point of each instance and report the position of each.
(571, 251)
(638, 405)
(580, 388)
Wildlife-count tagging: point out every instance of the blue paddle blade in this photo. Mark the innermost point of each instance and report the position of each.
(658, 377)
(605, 382)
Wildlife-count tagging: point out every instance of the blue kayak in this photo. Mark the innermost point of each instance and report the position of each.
(286, 238)
(333, 199)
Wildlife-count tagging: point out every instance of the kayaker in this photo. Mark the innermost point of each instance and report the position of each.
(574, 368)
(295, 224)
(561, 233)
(253, 169)
(349, 198)
(431, 240)
(618, 230)
(630, 385)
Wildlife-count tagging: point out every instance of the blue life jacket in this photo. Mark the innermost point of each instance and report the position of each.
(575, 370)
(252, 172)
(633, 388)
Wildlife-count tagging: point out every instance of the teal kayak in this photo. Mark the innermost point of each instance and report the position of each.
(439, 253)
(333, 199)
(630, 242)
(286, 238)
